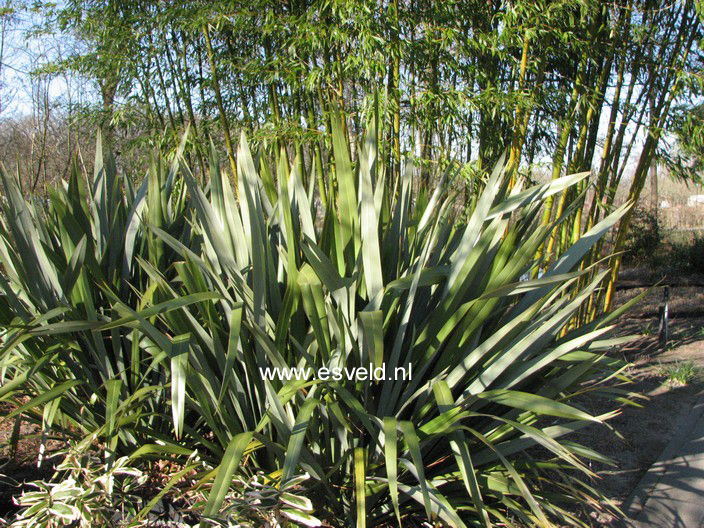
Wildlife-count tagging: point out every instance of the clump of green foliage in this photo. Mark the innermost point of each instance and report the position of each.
(688, 255)
(143, 317)
(680, 373)
(84, 493)
(260, 501)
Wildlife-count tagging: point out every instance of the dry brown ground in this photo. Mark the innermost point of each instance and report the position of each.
(18, 460)
(645, 431)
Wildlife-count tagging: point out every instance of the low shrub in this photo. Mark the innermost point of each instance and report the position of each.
(83, 493)
(680, 373)
(645, 237)
(688, 255)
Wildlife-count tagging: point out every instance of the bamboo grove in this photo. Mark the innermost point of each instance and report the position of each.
(573, 85)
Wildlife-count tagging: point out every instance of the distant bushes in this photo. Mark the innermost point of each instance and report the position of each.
(652, 246)
(688, 255)
(645, 239)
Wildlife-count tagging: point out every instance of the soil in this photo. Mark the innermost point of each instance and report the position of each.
(19, 462)
(643, 431)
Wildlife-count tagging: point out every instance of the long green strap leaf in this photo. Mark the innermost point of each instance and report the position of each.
(390, 456)
(372, 326)
(45, 397)
(534, 403)
(459, 447)
(346, 196)
(359, 480)
(226, 470)
(411, 438)
(114, 387)
(180, 347)
(295, 442)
